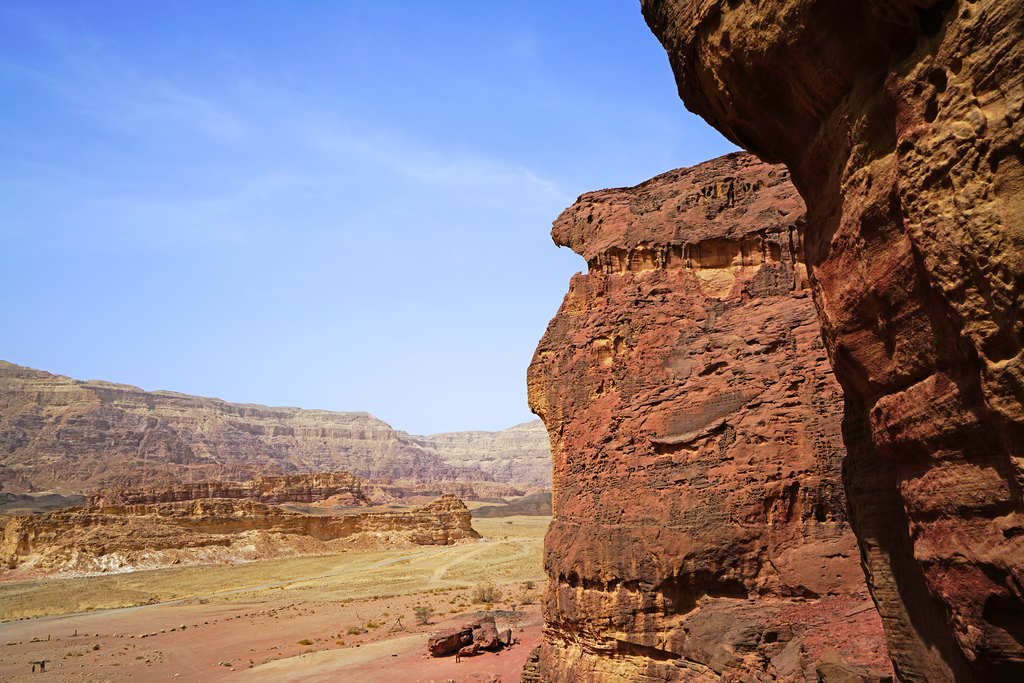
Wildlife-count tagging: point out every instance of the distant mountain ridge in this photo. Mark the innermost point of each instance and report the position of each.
(86, 435)
(519, 454)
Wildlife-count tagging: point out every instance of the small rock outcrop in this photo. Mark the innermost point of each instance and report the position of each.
(902, 123)
(128, 537)
(699, 527)
(469, 640)
(449, 642)
(340, 488)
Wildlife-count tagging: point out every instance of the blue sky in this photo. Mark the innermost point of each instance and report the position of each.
(340, 205)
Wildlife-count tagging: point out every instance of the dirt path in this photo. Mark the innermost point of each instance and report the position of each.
(464, 556)
(258, 622)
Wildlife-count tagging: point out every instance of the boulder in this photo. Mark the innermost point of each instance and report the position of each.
(470, 650)
(449, 642)
(486, 636)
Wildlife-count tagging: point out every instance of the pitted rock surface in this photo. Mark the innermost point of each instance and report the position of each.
(901, 122)
(694, 426)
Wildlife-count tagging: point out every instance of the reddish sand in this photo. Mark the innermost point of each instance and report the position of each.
(265, 641)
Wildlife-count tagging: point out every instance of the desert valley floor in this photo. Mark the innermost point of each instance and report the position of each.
(296, 619)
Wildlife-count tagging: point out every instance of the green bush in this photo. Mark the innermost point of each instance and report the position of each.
(423, 614)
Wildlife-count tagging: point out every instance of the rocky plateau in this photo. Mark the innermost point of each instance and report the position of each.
(119, 538)
(700, 529)
(901, 124)
(338, 488)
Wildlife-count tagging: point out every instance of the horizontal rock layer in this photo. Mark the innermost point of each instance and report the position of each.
(902, 122)
(88, 435)
(694, 426)
(387, 492)
(342, 487)
(125, 537)
(519, 454)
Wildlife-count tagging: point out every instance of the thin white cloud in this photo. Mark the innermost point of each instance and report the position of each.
(90, 78)
(302, 166)
(456, 172)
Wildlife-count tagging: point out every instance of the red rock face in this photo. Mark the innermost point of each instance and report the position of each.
(901, 123)
(694, 426)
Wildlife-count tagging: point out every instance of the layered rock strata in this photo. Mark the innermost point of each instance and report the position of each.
(694, 427)
(341, 488)
(88, 435)
(901, 122)
(127, 537)
(386, 492)
(536, 505)
(519, 454)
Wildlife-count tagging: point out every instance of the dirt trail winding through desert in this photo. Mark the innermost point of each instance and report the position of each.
(348, 616)
(276, 584)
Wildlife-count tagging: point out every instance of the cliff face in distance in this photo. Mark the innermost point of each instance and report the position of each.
(129, 537)
(88, 435)
(901, 123)
(699, 527)
(519, 454)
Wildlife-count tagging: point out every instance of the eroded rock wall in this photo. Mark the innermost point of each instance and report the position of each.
(694, 427)
(144, 536)
(86, 435)
(901, 123)
(341, 488)
(519, 454)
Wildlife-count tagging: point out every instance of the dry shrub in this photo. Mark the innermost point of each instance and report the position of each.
(483, 594)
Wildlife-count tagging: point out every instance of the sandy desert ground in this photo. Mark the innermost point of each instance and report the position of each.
(344, 617)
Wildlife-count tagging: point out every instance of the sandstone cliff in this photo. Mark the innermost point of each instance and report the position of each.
(326, 489)
(694, 427)
(88, 435)
(341, 488)
(129, 537)
(520, 454)
(901, 122)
